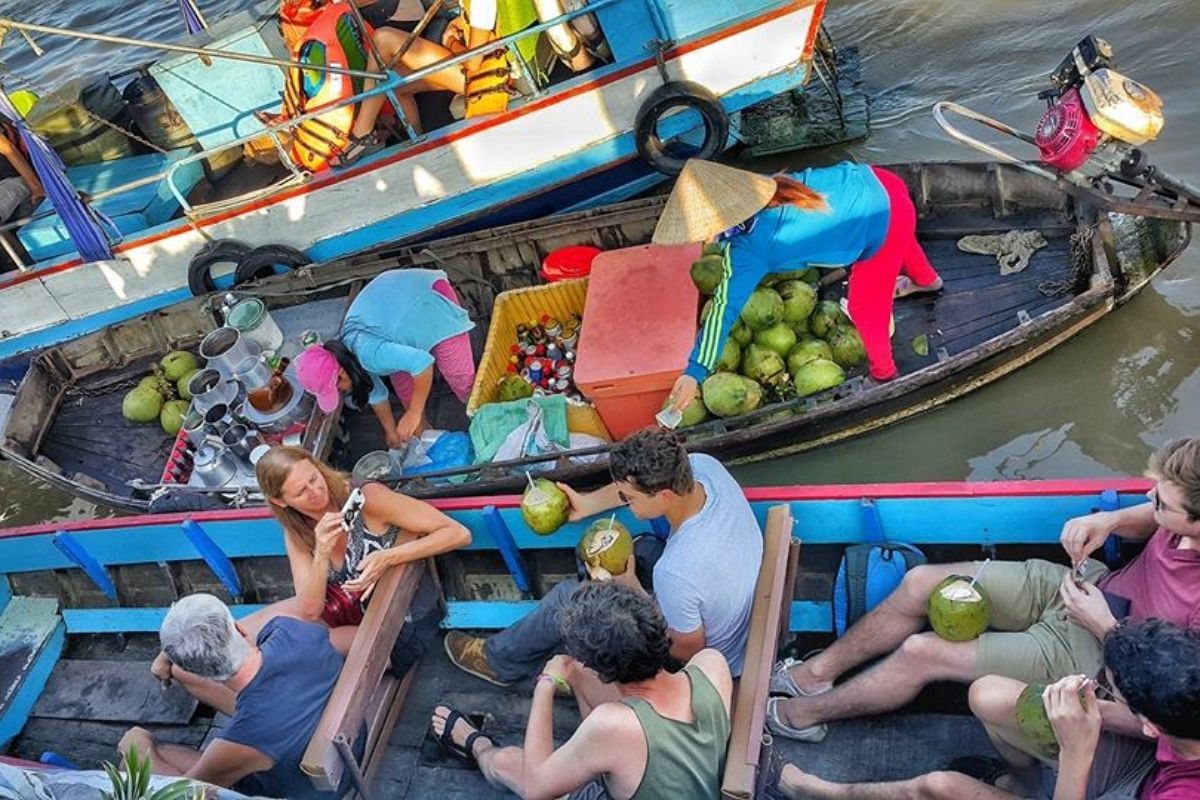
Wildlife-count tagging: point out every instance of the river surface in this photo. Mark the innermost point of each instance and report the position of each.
(1095, 407)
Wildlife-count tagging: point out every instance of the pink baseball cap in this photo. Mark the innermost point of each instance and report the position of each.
(317, 370)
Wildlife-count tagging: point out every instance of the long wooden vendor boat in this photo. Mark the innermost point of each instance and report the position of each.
(62, 421)
(81, 602)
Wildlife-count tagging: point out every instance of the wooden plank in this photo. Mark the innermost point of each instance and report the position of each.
(25, 625)
(112, 691)
(88, 744)
(347, 706)
(766, 619)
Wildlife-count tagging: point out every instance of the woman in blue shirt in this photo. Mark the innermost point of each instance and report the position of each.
(401, 324)
(847, 215)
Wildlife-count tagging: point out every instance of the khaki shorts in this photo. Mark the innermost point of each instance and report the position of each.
(1029, 638)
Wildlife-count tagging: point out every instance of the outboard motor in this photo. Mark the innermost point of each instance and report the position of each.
(1091, 133)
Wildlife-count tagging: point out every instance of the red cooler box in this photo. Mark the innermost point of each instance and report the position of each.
(639, 325)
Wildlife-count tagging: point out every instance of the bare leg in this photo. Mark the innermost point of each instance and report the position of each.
(893, 682)
(421, 53)
(994, 701)
(880, 631)
(343, 637)
(798, 785)
(252, 624)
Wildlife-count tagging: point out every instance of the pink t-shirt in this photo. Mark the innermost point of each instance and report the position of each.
(1173, 778)
(1162, 582)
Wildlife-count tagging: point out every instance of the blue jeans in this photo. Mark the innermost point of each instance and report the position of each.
(523, 648)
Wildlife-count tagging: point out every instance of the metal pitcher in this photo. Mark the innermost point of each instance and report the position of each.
(208, 388)
(214, 466)
(226, 348)
(253, 372)
(241, 440)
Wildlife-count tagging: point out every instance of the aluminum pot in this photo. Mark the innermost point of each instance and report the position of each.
(297, 409)
(214, 466)
(226, 348)
(210, 388)
(218, 419)
(241, 440)
(195, 428)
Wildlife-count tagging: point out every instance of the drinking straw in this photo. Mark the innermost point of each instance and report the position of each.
(979, 571)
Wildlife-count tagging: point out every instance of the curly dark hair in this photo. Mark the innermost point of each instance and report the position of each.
(1178, 462)
(1156, 667)
(615, 630)
(652, 459)
(360, 379)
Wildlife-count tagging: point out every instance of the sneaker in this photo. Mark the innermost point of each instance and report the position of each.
(783, 683)
(776, 725)
(467, 653)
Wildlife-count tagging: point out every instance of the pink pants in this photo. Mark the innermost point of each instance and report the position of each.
(873, 280)
(452, 356)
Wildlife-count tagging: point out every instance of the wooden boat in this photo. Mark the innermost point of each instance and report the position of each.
(63, 424)
(568, 143)
(87, 598)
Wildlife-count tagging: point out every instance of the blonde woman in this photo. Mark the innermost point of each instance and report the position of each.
(335, 565)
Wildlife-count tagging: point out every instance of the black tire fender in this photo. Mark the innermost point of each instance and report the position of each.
(665, 99)
(218, 251)
(261, 262)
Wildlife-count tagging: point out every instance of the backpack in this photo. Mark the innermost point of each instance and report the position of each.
(869, 572)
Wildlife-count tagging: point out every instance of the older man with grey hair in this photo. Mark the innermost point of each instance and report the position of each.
(274, 688)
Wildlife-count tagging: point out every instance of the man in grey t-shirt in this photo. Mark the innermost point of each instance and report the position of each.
(703, 581)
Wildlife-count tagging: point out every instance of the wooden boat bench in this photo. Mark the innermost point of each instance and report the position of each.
(746, 759)
(365, 702)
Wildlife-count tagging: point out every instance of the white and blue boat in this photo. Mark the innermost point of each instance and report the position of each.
(566, 144)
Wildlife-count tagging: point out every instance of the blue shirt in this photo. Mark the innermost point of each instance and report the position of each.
(709, 567)
(397, 319)
(786, 238)
(278, 711)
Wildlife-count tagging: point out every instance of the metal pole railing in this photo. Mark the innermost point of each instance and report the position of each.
(182, 48)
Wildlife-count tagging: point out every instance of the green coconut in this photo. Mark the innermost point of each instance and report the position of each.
(811, 276)
(1033, 722)
(827, 316)
(731, 357)
(181, 385)
(762, 364)
(847, 346)
(707, 273)
(713, 249)
(141, 404)
(799, 300)
(817, 376)
(806, 351)
(776, 278)
(694, 414)
(741, 334)
(154, 381)
(958, 610)
(763, 309)
(545, 507)
(779, 338)
(605, 548)
(176, 363)
(171, 416)
(727, 394)
(513, 387)
(802, 328)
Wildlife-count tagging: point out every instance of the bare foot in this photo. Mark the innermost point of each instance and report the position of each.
(798, 785)
(906, 286)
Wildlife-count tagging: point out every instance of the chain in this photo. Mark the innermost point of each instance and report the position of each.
(43, 91)
(100, 391)
(1081, 265)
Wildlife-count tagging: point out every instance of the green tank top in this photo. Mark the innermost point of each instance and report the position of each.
(684, 759)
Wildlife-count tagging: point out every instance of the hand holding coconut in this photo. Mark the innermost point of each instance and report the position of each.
(1074, 716)
(1086, 607)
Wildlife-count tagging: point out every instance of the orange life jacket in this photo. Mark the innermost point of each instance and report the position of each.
(334, 38)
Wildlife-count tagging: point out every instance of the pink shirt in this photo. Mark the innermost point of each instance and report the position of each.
(1162, 582)
(1173, 779)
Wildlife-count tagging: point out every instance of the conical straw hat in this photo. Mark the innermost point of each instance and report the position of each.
(710, 198)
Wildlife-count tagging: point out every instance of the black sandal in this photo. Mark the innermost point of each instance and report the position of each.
(466, 750)
(357, 148)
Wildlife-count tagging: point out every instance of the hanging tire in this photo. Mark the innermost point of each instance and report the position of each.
(268, 260)
(219, 251)
(666, 99)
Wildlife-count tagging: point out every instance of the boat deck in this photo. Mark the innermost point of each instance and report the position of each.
(884, 748)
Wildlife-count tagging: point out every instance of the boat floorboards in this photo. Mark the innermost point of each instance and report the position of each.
(880, 748)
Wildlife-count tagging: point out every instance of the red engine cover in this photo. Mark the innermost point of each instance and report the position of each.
(1066, 135)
